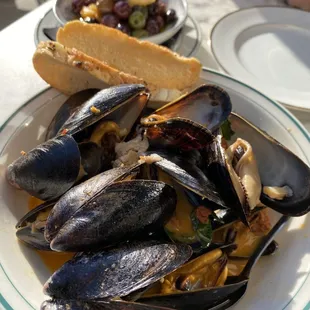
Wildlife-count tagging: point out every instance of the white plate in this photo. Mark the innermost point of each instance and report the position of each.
(275, 280)
(185, 42)
(63, 12)
(268, 48)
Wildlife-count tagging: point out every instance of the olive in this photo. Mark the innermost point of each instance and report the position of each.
(142, 9)
(157, 8)
(110, 20)
(152, 26)
(140, 33)
(160, 21)
(137, 20)
(122, 9)
(171, 16)
(161, 8)
(124, 27)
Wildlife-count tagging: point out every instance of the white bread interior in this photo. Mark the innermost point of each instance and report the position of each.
(154, 64)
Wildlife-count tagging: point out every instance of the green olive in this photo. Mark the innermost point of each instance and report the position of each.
(137, 20)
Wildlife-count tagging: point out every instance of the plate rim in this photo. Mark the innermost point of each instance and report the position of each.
(297, 123)
(211, 39)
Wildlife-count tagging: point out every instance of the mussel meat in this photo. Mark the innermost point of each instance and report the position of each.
(278, 167)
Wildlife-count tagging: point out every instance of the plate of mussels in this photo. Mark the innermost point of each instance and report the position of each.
(107, 203)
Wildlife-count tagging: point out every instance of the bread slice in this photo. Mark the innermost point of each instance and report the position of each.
(70, 71)
(155, 64)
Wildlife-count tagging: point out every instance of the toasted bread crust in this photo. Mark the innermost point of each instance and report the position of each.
(70, 70)
(154, 64)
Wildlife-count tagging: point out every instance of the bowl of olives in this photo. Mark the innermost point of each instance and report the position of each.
(152, 20)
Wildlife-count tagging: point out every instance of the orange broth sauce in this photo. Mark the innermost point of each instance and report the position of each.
(52, 260)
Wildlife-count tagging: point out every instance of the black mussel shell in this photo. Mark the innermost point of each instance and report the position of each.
(79, 195)
(188, 175)
(207, 105)
(200, 299)
(92, 159)
(122, 210)
(217, 171)
(48, 170)
(32, 237)
(100, 105)
(67, 109)
(179, 134)
(271, 249)
(115, 273)
(277, 166)
(63, 304)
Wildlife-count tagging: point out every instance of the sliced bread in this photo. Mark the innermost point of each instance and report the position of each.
(154, 64)
(70, 70)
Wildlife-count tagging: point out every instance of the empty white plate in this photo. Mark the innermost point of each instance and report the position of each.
(268, 48)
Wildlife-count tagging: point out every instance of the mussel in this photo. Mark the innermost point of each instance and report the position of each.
(119, 272)
(188, 122)
(67, 109)
(207, 105)
(278, 168)
(31, 227)
(107, 209)
(163, 276)
(48, 170)
(65, 304)
(53, 167)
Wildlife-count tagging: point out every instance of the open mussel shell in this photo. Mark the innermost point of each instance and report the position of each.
(103, 104)
(67, 109)
(64, 304)
(187, 174)
(92, 158)
(207, 105)
(81, 194)
(277, 166)
(115, 273)
(30, 228)
(48, 170)
(230, 189)
(179, 133)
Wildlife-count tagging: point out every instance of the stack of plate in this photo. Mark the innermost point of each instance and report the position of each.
(267, 48)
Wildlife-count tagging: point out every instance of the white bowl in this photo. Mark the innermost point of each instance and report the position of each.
(63, 13)
(274, 280)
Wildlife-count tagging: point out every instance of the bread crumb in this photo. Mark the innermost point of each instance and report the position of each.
(94, 110)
